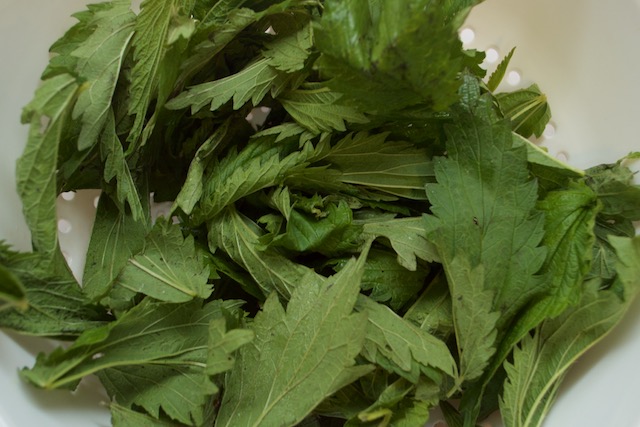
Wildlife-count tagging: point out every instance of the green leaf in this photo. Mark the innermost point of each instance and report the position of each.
(570, 217)
(376, 56)
(192, 188)
(541, 360)
(550, 172)
(37, 167)
(62, 61)
(162, 334)
(149, 47)
(100, 58)
(474, 320)
(484, 207)
(168, 268)
(115, 238)
(401, 347)
(389, 282)
(407, 237)
(259, 165)
(299, 356)
(250, 84)
(620, 197)
(497, 76)
(383, 409)
(239, 237)
(290, 52)
(40, 303)
(394, 167)
(628, 265)
(125, 417)
(117, 169)
(12, 291)
(319, 110)
(569, 222)
(181, 392)
(527, 109)
(432, 312)
(604, 256)
(331, 234)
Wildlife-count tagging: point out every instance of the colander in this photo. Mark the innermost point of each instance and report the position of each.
(584, 54)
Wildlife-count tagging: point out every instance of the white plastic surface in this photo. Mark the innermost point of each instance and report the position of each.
(582, 53)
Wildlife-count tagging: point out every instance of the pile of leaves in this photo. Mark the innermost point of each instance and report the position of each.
(379, 240)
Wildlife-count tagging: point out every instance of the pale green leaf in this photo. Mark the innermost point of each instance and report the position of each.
(289, 52)
(239, 237)
(395, 167)
(432, 311)
(37, 167)
(168, 268)
(100, 58)
(149, 333)
(259, 165)
(250, 84)
(299, 356)
(320, 110)
(43, 304)
(407, 237)
(540, 361)
(191, 190)
(125, 417)
(115, 238)
(400, 346)
(181, 392)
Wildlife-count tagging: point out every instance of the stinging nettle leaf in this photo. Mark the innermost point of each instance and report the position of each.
(239, 237)
(100, 58)
(149, 333)
(168, 268)
(250, 84)
(49, 306)
(540, 361)
(117, 170)
(183, 393)
(320, 110)
(497, 76)
(407, 237)
(36, 169)
(122, 416)
(192, 188)
(149, 47)
(289, 53)
(401, 347)
(300, 355)
(527, 109)
(115, 238)
(259, 165)
(394, 167)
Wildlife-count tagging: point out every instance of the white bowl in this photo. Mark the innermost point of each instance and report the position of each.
(582, 53)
